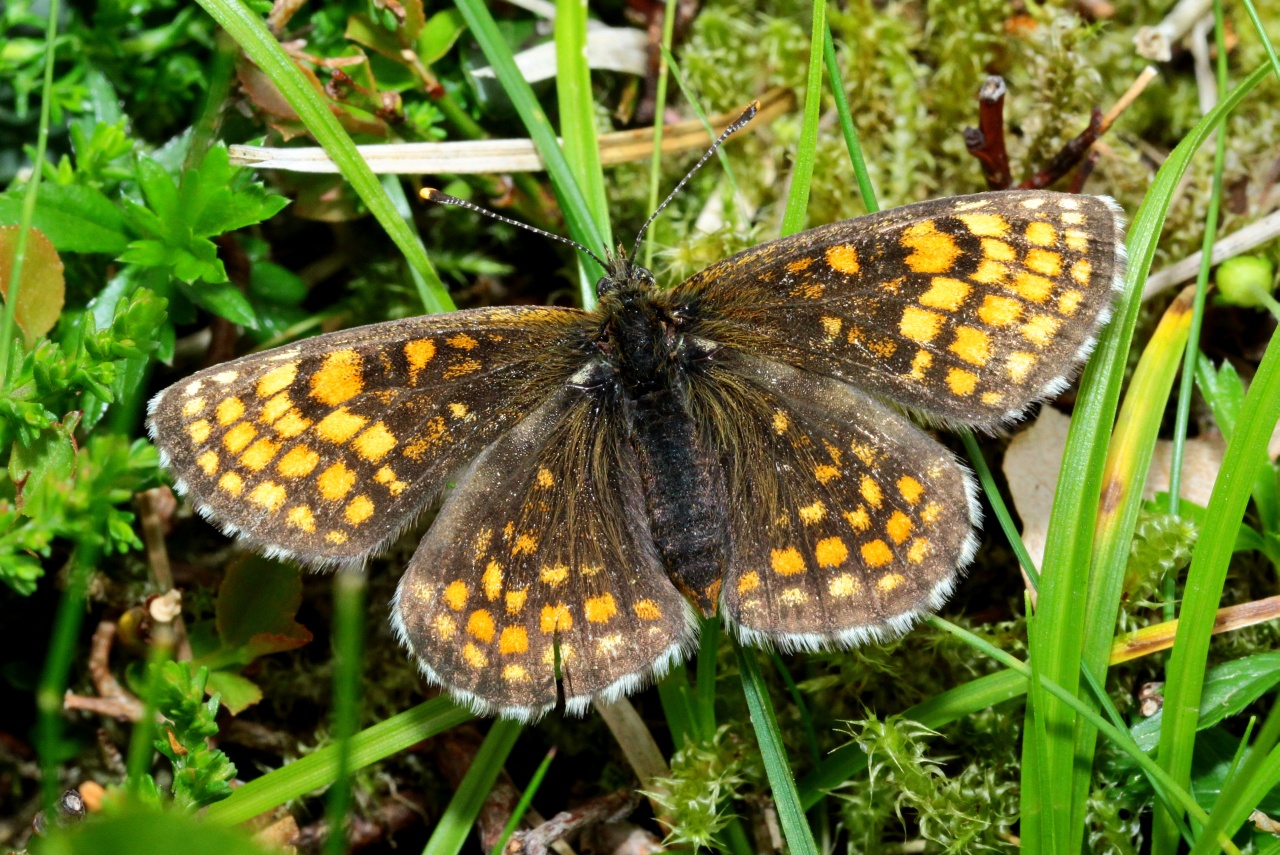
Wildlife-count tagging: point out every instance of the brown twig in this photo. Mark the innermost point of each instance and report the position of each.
(156, 509)
(1085, 170)
(113, 699)
(1069, 155)
(986, 142)
(608, 808)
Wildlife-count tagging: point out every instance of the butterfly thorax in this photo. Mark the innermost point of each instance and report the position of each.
(651, 361)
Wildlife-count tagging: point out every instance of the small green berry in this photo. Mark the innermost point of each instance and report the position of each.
(1246, 280)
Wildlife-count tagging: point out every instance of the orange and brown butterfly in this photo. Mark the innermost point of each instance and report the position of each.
(735, 444)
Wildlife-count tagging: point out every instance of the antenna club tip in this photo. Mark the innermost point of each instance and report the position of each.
(431, 194)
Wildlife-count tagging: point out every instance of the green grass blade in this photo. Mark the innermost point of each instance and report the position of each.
(850, 131)
(526, 799)
(802, 169)
(1256, 776)
(454, 827)
(659, 111)
(1184, 678)
(1058, 639)
(395, 192)
(249, 31)
(678, 705)
(705, 694)
(1158, 777)
(1262, 34)
(321, 768)
(795, 827)
(8, 322)
(1001, 510)
(577, 213)
(348, 637)
(577, 121)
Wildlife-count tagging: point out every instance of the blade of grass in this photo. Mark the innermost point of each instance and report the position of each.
(850, 131)
(678, 706)
(1158, 777)
(1058, 639)
(526, 799)
(578, 122)
(577, 213)
(348, 631)
(998, 506)
(249, 31)
(1190, 354)
(395, 192)
(1262, 34)
(659, 111)
(795, 827)
(320, 769)
(705, 694)
(454, 827)
(1255, 777)
(802, 169)
(9, 320)
(1184, 676)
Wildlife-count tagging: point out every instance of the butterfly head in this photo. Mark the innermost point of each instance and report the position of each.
(622, 274)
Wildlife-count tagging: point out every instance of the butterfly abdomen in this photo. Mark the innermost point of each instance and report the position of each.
(683, 481)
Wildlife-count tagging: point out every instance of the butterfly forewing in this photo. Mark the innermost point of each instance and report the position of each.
(846, 519)
(326, 449)
(966, 309)
(541, 558)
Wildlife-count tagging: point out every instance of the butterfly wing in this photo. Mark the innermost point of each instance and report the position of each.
(324, 450)
(846, 519)
(966, 309)
(542, 560)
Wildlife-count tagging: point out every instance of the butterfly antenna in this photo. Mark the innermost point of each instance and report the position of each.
(738, 124)
(434, 195)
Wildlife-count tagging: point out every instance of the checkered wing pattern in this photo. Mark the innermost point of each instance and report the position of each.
(846, 519)
(965, 309)
(324, 450)
(540, 564)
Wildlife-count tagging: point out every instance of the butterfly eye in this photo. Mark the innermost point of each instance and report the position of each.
(605, 284)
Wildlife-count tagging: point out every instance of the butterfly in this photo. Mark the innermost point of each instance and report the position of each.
(737, 444)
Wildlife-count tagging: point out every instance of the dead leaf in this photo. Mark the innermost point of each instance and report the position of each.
(43, 290)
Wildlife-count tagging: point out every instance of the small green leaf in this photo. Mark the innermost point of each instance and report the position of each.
(256, 607)
(1228, 689)
(236, 693)
(439, 35)
(224, 300)
(75, 218)
(1246, 280)
(48, 463)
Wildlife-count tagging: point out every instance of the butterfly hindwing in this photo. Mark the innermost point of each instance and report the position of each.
(966, 309)
(846, 519)
(325, 449)
(541, 559)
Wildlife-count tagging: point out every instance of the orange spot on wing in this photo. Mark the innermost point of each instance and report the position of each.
(514, 639)
(786, 562)
(292, 424)
(972, 345)
(375, 443)
(336, 481)
(945, 293)
(229, 410)
(962, 382)
(600, 609)
(480, 625)
(277, 379)
(985, 225)
(919, 325)
(208, 462)
(1041, 233)
(647, 610)
(749, 582)
(830, 552)
(910, 488)
(238, 437)
(898, 527)
(555, 618)
(302, 518)
(340, 425)
(843, 258)
(232, 483)
(298, 462)
(876, 553)
(340, 378)
(268, 495)
(456, 595)
(358, 510)
(932, 251)
(418, 353)
(999, 311)
(870, 491)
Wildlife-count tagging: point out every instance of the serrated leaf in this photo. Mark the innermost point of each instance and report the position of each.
(256, 607)
(48, 463)
(74, 218)
(43, 290)
(161, 193)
